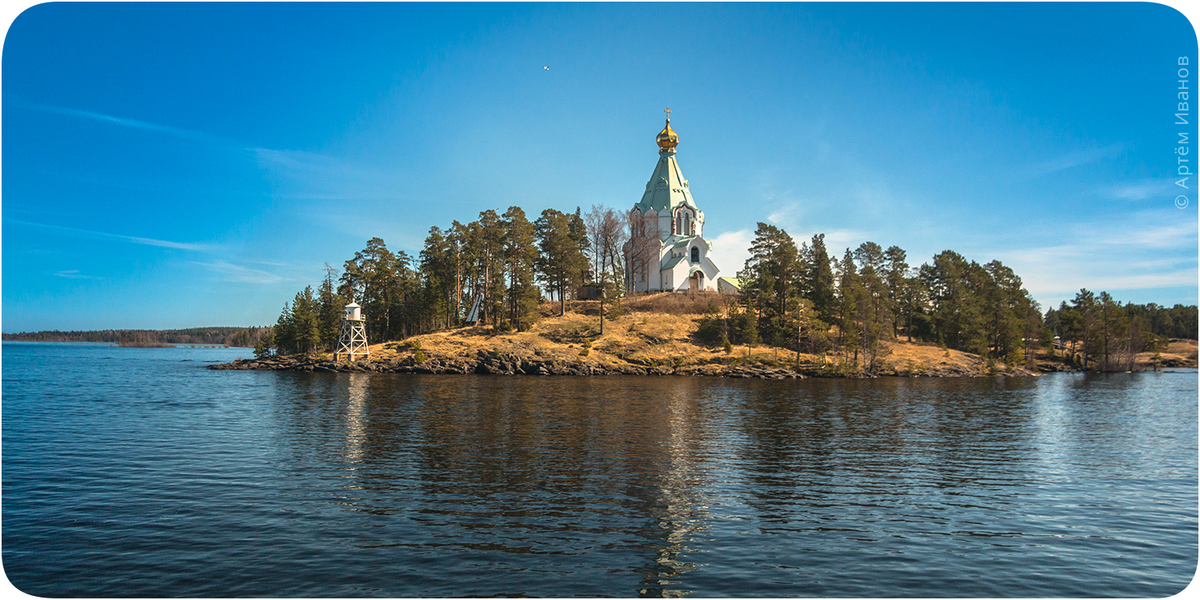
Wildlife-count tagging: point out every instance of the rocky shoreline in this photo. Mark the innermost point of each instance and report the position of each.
(495, 363)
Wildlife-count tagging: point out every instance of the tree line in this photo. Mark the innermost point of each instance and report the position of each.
(803, 299)
(1102, 334)
(497, 267)
(241, 337)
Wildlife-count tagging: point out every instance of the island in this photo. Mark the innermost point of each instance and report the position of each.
(657, 335)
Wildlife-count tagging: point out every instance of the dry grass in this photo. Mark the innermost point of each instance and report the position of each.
(1182, 348)
(1181, 353)
(634, 337)
(692, 303)
(1178, 353)
(906, 358)
(662, 339)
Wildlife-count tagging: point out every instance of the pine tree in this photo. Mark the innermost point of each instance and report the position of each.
(849, 299)
(306, 321)
(561, 260)
(771, 282)
(332, 306)
(520, 251)
(284, 330)
(819, 280)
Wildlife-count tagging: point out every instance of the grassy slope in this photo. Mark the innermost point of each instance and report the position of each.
(657, 331)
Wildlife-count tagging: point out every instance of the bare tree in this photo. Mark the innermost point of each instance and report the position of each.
(608, 236)
(642, 249)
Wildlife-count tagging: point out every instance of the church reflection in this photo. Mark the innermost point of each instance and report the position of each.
(615, 473)
(677, 508)
(547, 466)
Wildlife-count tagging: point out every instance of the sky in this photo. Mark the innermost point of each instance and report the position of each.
(186, 165)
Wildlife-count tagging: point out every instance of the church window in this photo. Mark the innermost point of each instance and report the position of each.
(695, 254)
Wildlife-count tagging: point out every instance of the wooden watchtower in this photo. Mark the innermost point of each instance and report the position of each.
(353, 340)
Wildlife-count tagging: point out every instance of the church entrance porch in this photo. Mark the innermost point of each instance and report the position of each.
(694, 282)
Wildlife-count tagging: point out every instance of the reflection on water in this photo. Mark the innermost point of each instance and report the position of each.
(897, 476)
(360, 484)
(356, 417)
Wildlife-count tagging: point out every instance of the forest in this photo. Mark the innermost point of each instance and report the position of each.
(242, 337)
(797, 297)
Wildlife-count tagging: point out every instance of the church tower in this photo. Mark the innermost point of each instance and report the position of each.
(666, 249)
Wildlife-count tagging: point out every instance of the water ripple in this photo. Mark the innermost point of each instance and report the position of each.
(161, 478)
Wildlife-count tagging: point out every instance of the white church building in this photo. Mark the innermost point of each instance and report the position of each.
(666, 249)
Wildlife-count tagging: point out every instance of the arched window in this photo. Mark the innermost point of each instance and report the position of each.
(695, 254)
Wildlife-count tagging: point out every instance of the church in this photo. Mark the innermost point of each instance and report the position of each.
(666, 249)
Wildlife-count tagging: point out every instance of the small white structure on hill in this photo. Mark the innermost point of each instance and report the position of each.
(353, 339)
(666, 249)
(730, 285)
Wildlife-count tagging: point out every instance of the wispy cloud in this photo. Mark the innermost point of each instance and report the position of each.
(1185, 277)
(1142, 189)
(785, 215)
(75, 274)
(1053, 281)
(1075, 159)
(1167, 236)
(226, 270)
(307, 175)
(240, 274)
(1129, 255)
(120, 121)
(836, 240)
(193, 247)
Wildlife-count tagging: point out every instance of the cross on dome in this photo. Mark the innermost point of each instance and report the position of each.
(667, 138)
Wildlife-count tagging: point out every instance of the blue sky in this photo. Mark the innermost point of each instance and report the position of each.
(179, 165)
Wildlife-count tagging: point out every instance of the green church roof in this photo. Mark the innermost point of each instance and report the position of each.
(667, 188)
(670, 264)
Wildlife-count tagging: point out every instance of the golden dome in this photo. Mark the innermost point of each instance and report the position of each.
(667, 138)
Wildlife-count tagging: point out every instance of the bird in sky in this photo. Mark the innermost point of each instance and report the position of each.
(546, 68)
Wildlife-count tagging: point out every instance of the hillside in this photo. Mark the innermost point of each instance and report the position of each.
(654, 335)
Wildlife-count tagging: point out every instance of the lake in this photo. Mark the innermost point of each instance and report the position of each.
(138, 472)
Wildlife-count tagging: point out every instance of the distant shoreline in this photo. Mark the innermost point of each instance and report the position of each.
(112, 345)
(234, 337)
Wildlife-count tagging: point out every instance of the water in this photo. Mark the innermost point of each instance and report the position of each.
(137, 472)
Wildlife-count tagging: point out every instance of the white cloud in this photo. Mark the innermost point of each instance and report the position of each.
(730, 251)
